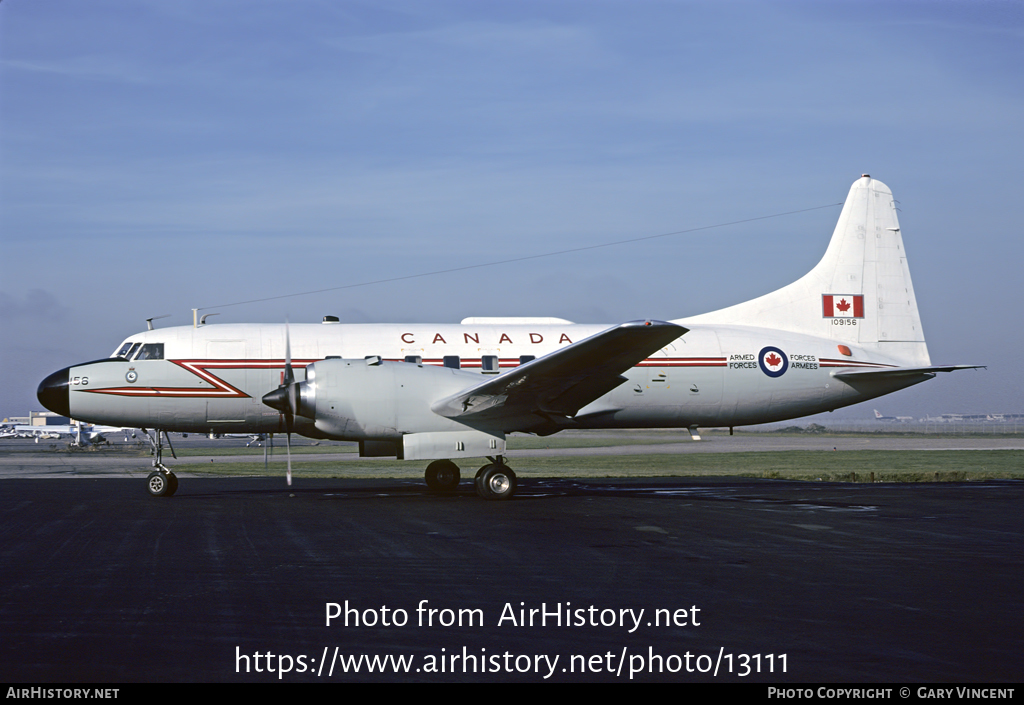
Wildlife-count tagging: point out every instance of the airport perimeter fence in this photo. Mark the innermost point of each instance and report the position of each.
(936, 428)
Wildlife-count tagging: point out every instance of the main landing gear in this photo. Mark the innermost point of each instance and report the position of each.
(494, 481)
(161, 482)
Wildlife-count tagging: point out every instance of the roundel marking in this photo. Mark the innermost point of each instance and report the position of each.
(773, 361)
(131, 376)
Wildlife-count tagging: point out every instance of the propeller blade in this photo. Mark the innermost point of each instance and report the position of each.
(293, 402)
(285, 399)
(289, 475)
(291, 392)
(289, 376)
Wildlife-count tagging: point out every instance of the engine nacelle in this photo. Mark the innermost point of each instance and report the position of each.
(360, 400)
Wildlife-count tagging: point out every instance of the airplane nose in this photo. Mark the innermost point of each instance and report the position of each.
(53, 392)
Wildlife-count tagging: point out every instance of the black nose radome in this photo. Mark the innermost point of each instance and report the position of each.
(53, 392)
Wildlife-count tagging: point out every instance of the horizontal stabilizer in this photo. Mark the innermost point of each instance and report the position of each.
(561, 383)
(891, 372)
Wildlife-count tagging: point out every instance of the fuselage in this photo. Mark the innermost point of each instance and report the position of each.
(212, 378)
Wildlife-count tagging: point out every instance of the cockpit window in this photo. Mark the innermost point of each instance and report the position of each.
(128, 350)
(151, 351)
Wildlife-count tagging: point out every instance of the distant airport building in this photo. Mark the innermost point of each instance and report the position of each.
(46, 418)
(38, 418)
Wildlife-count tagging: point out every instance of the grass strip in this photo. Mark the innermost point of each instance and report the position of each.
(828, 466)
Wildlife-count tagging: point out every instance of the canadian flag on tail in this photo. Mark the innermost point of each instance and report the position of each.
(843, 305)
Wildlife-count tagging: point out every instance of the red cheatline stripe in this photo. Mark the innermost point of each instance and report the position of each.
(223, 390)
(684, 362)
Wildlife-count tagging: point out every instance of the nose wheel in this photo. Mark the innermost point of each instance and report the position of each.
(162, 483)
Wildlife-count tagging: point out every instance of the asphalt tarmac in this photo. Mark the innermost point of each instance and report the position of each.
(673, 579)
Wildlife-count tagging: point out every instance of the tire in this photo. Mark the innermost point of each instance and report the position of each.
(161, 484)
(496, 482)
(443, 476)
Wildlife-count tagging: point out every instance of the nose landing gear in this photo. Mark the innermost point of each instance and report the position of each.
(161, 482)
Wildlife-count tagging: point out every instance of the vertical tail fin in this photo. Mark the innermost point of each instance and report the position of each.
(860, 293)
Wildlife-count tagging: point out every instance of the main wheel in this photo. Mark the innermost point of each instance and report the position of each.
(443, 476)
(496, 482)
(161, 484)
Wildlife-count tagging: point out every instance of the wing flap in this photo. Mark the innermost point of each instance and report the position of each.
(561, 383)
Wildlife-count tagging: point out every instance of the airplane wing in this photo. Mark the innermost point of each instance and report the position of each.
(890, 372)
(554, 387)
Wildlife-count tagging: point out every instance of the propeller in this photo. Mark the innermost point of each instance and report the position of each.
(286, 397)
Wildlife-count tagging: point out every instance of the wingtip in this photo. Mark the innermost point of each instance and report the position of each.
(656, 324)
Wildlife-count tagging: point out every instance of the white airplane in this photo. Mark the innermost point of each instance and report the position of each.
(846, 332)
(901, 419)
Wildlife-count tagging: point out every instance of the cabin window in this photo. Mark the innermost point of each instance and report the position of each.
(414, 359)
(151, 351)
(523, 359)
(489, 364)
(452, 361)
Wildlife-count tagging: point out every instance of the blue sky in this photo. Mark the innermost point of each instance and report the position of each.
(157, 157)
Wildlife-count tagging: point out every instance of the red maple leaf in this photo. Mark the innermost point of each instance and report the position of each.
(773, 360)
(843, 305)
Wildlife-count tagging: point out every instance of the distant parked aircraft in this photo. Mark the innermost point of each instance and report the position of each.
(84, 434)
(900, 419)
